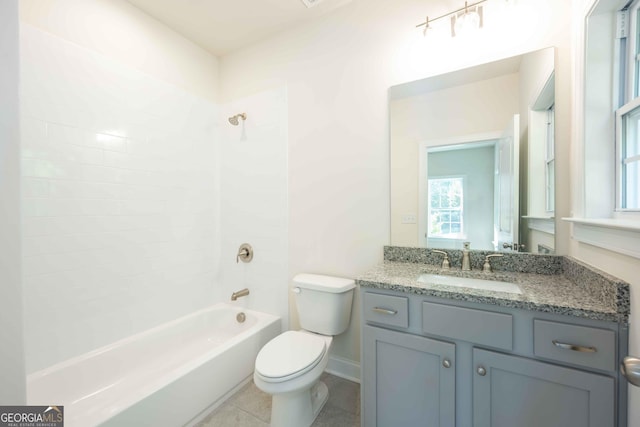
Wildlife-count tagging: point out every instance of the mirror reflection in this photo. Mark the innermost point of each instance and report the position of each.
(472, 157)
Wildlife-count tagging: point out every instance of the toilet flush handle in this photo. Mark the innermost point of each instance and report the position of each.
(296, 290)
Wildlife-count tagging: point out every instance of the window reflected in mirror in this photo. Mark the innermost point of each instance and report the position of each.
(496, 119)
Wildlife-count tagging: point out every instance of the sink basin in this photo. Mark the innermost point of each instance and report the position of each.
(487, 285)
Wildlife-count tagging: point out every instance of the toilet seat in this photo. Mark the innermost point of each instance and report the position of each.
(290, 355)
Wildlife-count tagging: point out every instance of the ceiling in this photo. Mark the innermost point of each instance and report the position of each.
(222, 26)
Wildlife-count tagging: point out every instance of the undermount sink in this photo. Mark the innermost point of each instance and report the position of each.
(487, 285)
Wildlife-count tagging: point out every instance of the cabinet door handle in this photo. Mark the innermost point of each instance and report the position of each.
(630, 368)
(481, 371)
(385, 311)
(573, 347)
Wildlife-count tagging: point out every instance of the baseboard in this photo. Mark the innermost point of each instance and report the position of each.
(344, 368)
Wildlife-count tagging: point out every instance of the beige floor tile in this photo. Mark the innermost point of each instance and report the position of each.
(231, 416)
(254, 401)
(343, 394)
(331, 416)
(251, 407)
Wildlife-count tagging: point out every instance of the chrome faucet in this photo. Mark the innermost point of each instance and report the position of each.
(241, 293)
(445, 260)
(486, 268)
(466, 263)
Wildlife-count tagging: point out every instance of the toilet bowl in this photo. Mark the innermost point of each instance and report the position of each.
(289, 366)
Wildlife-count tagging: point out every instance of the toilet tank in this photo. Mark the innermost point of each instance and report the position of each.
(323, 302)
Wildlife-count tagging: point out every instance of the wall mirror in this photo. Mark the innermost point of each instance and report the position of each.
(472, 157)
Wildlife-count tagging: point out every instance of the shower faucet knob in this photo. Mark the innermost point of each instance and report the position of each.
(245, 253)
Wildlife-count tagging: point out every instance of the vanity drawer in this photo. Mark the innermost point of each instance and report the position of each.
(386, 309)
(467, 324)
(580, 345)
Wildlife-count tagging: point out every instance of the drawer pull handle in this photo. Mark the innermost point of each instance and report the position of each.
(385, 311)
(630, 368)
(574, 347)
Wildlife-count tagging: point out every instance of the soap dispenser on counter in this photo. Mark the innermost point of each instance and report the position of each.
(466, 263)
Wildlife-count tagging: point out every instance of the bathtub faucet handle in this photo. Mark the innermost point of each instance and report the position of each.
(245, 253)
(241, 293)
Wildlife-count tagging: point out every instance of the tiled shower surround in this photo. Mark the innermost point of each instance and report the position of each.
(120, 199)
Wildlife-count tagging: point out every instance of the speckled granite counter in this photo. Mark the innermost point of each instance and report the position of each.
(575, 289)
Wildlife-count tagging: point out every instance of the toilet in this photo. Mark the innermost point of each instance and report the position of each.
(289, 366)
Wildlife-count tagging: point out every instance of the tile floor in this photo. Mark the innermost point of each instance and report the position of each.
(250, 407)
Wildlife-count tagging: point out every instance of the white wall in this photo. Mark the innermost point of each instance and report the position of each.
(535, 70)
(119, 195)
(254, 201)
(12, 370)
(120, 31)
(337, 70)
(476, 108)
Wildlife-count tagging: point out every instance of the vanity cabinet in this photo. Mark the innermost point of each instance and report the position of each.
(511, 391)
(410, 379)
(429, 361)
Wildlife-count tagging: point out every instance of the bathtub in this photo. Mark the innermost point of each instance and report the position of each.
(166, 376)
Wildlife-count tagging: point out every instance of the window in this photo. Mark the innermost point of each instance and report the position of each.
(606, 207)
(628, 121)
(550, 161)
(446, 207)
(628, 115)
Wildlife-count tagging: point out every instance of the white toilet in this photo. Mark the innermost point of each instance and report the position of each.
(289, 366)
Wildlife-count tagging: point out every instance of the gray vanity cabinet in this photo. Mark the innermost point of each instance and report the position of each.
(433, 362)
(513, 391)
(410, 380)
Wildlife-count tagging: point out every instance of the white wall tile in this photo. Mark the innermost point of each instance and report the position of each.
(61, 134)
(35, 187)
(111, 142)
(12, 313)
(31, 128)
(119, 197)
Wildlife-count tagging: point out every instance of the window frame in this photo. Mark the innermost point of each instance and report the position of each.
(629, 92)
(550, 159)
(621, 113)
(629, 60)
(450, 236)
(594, 217)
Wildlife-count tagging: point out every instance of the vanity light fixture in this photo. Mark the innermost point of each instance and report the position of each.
(463, 20)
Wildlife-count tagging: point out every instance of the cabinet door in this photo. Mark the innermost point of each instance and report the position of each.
(513, 391)
(408, 380)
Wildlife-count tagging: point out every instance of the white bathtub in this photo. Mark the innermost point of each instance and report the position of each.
(165, 376)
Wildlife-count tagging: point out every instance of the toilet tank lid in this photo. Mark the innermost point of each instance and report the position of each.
(324, 283)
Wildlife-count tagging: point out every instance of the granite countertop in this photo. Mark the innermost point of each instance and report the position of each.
(574, 290)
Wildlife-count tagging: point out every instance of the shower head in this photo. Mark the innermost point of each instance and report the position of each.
(234, 119)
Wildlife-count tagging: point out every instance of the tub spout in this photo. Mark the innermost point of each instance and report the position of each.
(241, 293)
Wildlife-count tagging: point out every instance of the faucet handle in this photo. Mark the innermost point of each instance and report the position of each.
(245, 253)
(445, 262)
(486, 268)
